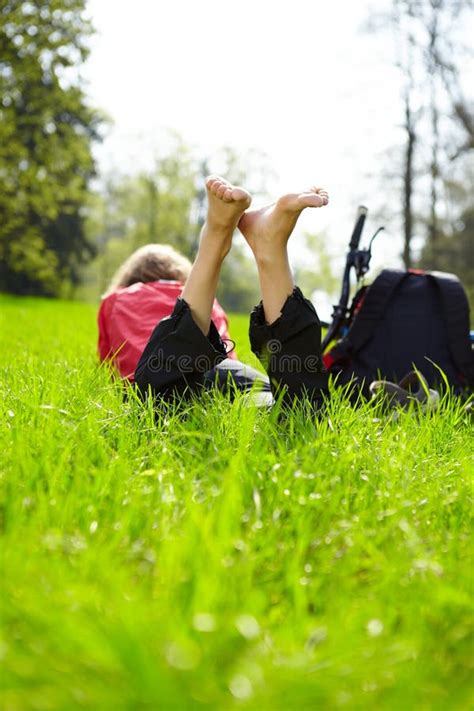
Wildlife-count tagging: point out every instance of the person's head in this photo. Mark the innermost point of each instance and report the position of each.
(151, 263)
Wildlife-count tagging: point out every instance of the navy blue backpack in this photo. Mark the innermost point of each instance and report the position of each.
(406, 320)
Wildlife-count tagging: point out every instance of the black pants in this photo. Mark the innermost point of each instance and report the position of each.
(179, 359)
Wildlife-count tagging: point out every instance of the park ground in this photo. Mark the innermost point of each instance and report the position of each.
(220, 556)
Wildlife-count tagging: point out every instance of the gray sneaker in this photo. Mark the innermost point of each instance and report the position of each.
(413, 388)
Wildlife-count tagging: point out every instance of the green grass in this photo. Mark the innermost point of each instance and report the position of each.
(222, 557)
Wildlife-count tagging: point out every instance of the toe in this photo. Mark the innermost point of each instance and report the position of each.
(311, 199)
(221, 190)
(210, 180)
(214, 183)
(323, 194)
(240, 194)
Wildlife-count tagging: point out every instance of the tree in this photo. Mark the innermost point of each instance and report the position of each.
(437, 124)
(46, 130)
(455, 252)
(238, 286)
(454, 248)
(168, 205)
(129, 211)
(238, 289)
(320, 275)
(405, 64)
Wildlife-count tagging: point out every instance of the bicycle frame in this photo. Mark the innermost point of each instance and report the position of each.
(359, 260)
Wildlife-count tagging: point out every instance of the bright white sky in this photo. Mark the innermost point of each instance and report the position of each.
(297, 79)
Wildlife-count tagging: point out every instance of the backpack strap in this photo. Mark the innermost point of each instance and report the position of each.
(456, 317)
(376, 300)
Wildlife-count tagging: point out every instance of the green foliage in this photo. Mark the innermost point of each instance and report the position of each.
(46, 129)
(238, 288)
(168, 205)
(130, 211)
(319, 274)
(164, 200)
(222, 557)
(436, 120)
(454, 252)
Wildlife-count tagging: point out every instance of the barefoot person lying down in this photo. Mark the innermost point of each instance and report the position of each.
(142, 292)
(186, 352)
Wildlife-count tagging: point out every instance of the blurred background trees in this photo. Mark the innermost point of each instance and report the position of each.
(58, 236)
(432, 170)
(46, 130)
(168, 204)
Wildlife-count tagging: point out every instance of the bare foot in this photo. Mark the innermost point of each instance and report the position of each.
(268, 229)
(226, 204)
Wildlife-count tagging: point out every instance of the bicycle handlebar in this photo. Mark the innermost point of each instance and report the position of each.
(358, 227)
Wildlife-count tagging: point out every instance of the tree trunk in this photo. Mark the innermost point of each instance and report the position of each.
(408, 183)
(433, 224)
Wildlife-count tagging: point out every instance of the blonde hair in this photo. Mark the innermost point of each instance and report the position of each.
(150, 263)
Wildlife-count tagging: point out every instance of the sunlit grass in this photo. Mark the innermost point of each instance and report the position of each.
(220, 556)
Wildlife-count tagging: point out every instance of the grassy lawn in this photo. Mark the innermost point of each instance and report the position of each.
(222, 557)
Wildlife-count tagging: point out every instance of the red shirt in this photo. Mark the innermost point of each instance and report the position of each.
(128, 316)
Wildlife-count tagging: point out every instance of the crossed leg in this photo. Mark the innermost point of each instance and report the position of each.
(185, 349)
(172, 362)
(267, 231)
(226, 205)
(285, 332)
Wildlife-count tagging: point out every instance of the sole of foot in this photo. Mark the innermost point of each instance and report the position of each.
(270, 227)
(226, 204)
